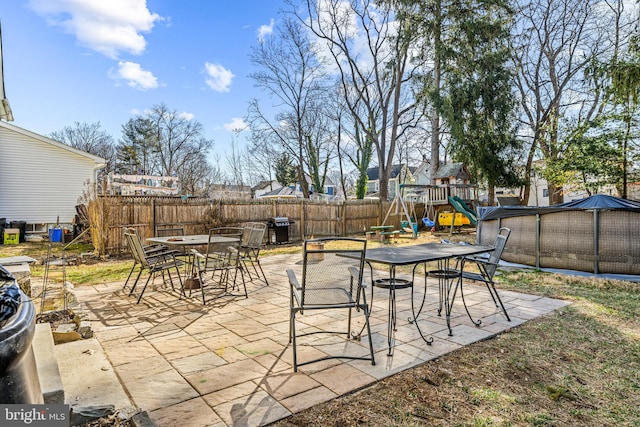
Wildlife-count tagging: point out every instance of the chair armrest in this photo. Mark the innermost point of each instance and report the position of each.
(152, 249)
(483, 261)
(354, 275)
(196, 253)
(156, 256)
(293, 280)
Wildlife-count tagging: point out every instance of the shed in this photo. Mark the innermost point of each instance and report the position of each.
(598, 234)
(41, 179)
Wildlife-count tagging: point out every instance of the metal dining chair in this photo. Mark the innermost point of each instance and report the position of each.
(332, 278)
(250, 250)
(152, 262)
(486, 267)
(223, 261)
(148, 250)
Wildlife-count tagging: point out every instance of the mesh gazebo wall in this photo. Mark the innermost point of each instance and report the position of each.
(566, 240)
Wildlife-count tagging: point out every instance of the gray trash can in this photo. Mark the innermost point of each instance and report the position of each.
(19, 381)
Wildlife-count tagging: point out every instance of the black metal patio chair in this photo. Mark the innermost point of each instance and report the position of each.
(332, 278)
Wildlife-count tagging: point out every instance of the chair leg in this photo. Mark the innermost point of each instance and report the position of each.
(292, 337)
(490, 286)
(133, 267)
(135, 283)
(244, 283)
(262, 272)
(144, 288)
(183, 293)
(365, 307)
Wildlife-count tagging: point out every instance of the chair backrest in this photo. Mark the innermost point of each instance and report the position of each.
(499, 244)
(256, 235)
(169, 231)
(325, 271)
(135, 246)
(220, 252)
(227, 232)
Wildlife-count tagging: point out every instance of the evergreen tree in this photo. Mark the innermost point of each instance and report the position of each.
(479, 105)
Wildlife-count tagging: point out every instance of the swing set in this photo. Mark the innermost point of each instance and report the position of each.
(401, 205)
(406, 208)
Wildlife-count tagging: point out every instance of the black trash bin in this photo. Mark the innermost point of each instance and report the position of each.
(22, 226)
(3, 224)
(19, 381)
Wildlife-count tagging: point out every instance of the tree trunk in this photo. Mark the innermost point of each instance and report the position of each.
(555, 195)
(435, 119)
(491, 196)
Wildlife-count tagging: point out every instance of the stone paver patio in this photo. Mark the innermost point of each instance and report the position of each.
(230, 362)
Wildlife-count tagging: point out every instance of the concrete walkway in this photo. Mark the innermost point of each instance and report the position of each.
(229, 363)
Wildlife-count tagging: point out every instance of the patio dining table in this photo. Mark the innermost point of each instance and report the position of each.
(448, 278)
(184, 242)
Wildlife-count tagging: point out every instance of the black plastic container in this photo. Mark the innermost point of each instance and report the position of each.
(22, 226)
(19, 381)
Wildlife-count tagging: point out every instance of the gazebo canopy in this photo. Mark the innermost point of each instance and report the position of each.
(597, 201)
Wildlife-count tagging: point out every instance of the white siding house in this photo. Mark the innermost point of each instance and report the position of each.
(41, 180)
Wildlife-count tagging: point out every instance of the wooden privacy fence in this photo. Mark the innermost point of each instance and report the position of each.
(309, 218)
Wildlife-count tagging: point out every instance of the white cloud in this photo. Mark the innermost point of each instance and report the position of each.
(235, 125)
(135, 76)
(107, 27)
(218, 78)
(187, 116)
(265, 30)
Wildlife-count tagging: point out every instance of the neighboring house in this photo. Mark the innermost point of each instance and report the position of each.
(264, 187)
(539, 191)
(422, 174)
(296, 191)
(228, 191)
(147, 185)
(328, 193)
(400, 174)
(42, 180)
(282, 193)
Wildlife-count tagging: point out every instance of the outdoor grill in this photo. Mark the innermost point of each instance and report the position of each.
(280, 227)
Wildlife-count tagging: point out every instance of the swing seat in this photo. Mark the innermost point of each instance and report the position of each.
(427, 222)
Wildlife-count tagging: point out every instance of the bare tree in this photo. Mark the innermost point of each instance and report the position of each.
(90, 138)
(202, 175)
(370, 51)
(164, 142)
(554, 41)
(235, 164)
(292, 76)
(260, 156)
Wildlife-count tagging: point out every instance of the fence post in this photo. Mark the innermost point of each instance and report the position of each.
(302, 221)
(153, 217)
(343, 218)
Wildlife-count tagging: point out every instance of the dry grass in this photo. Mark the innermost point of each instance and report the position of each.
(576, 366)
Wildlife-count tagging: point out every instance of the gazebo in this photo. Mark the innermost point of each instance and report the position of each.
(599, 234)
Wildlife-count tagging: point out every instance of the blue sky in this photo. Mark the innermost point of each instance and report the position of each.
(69, 61)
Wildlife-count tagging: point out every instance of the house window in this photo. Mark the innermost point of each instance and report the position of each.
(545, 192)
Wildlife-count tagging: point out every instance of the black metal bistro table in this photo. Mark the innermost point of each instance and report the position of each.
(448, 278)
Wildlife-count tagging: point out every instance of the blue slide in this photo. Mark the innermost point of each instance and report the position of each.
(460, 206)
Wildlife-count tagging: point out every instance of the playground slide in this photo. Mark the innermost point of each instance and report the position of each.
(460, 206)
